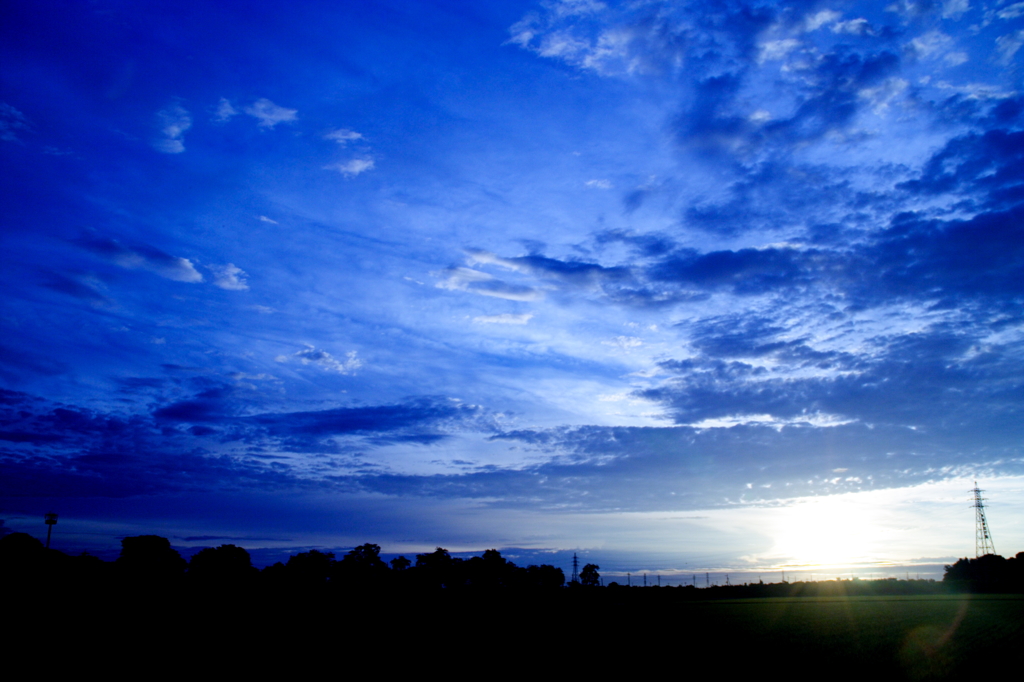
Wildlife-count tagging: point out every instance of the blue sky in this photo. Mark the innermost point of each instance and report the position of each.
(527, 275)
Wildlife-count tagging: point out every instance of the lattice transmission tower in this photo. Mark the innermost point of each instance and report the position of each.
(575, 569)
(982, 536)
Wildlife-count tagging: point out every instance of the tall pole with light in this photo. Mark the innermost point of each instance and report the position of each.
(51, 521)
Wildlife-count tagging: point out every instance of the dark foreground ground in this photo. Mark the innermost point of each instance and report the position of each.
(582, 633)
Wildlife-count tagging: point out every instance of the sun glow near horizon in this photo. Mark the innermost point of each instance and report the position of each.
(841, 530)
(878, 527)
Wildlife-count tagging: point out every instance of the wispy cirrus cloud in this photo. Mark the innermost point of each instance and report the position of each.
(224, 111)
(11, 122)
(352, 167)
(142, 257)
(477, 282)
(229, 277)
(174, 121)
(343, 136)
(269, 114)
(504, 318)
(324, 360)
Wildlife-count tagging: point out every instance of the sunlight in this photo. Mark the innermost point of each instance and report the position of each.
(829, 531)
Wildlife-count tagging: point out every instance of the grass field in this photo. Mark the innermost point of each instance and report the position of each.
(934, 637)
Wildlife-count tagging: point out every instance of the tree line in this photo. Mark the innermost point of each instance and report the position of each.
(150, 560)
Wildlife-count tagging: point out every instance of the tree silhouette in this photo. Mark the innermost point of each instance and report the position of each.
(310, 568)
(361, 566)
(589, 577)
(149, 556)
(434, 570)
(226, 563)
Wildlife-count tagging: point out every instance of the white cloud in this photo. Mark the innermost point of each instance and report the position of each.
(1008, 45)
(506, 318)
(352, 167)
(816, 21)
(476, 282)
(1013, 11)
(956, 58)
(599, 184)
(930, 43)
(229, 277)
(777, 49)
(265, 219)
(343, 136)
(881, 96)
(11, 120)
(760, 116)
(575, 8)
(954, 9)
(144, 258)
(816, 419)
(224, 111)
(174, 121)
(853, 27)
(625, 343)
(270, 114)
(324, 360)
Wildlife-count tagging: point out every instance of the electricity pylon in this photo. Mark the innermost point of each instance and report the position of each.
(982, 536)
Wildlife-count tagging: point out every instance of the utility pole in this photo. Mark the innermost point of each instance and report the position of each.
(629, 580)
(51, 521)
(982, 537)
(645, 580)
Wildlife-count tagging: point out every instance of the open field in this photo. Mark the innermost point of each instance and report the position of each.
(573, 631)
(931, 637)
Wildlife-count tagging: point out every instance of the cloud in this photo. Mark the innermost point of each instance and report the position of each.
(956, 58)
(1013, 11)
(212, 441)
(325, 361)
(224, 111)
(505, 318)
(929, 43)
(352, 167)
(599, 184)
(815, 21)
(777, 49)
(477, 282)
(624, 343)
(173, 121)
(576, 273)
(746, 271)
(11, 121)
(269, 114)
(84, 288)
(852, 27)
(265, 219)
(343, 136)
(1008, 45)
(229, 277)
(954, 9)
(143, 257)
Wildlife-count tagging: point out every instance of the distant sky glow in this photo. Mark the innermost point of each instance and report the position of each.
(681, 285)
